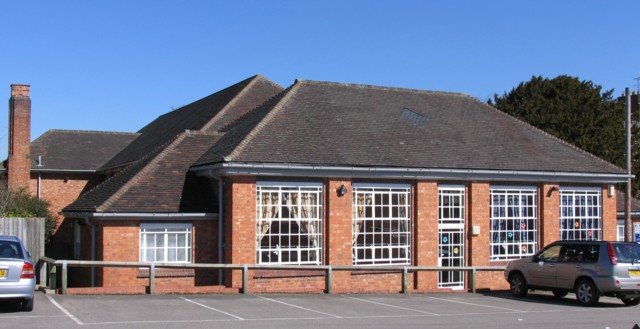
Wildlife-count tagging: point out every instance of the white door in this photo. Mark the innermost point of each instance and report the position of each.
(451, 237)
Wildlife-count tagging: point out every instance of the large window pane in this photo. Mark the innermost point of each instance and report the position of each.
(580, 214)
(514, 223)
(381, 225)
(289, 223)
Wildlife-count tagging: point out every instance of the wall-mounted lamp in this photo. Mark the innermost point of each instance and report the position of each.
(551, 190)
(612, 190)
(342, 191)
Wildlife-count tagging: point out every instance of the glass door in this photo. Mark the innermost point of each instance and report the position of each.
(451, 247)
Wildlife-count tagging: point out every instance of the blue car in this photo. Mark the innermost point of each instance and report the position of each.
(17, 273)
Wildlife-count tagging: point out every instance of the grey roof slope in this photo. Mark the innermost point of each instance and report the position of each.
(207, 114)
(76, 150)
(325, 123)
(156, 183)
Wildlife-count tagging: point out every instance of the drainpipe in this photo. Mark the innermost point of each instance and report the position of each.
(220, 229)
(93, 249)
(39, 186)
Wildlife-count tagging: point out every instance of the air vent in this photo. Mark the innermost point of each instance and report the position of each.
(413, 117)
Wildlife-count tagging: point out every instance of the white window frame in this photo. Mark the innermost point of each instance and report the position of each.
(513, 228)
(161, 249)
(374, 221)
(289, 223)
(620, 236)
(580, 213)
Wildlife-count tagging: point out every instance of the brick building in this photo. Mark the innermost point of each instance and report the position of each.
(336, 174)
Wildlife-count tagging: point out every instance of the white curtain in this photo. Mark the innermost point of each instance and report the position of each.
(268, 210)
(362, 200)
(301, 208)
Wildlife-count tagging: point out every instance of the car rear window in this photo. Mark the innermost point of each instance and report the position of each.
(627, 252)
(10, 249)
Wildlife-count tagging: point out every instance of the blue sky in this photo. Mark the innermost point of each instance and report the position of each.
(117, 65)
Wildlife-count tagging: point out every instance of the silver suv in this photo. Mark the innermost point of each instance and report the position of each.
(589, 268)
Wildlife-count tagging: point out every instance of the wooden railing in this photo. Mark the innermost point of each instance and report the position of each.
(64, 265)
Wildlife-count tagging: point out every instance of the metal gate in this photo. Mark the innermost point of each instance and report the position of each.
(451, 223)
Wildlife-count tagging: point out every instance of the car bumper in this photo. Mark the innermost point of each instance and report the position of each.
(24, 288)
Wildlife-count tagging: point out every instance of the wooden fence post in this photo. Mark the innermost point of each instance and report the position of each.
(152, 279)
(64, 277)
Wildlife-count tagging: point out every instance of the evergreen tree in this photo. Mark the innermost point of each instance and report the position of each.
(572, 110)
(578, 112)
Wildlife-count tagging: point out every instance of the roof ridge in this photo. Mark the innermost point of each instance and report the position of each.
(288, 93)
(92, 132)
(252, 78)
(233, 101)
(146, 168)
(554, 137)
(374, 87)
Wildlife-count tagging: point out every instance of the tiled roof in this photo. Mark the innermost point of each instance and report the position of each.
(207, 114)
(357, 125)
(153, 173)
(620, 203)
(67, 150)
(158, 183)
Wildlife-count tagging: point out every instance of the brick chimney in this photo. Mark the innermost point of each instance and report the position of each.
(19, 159)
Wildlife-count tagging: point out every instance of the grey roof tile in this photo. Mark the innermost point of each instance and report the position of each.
(159, 183)
(68, 150)
(207, 114)
(358, 125)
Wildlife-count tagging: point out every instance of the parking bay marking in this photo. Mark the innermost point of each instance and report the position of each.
(64, 310)
(466, 303)
(394, 306)
(300, 307)
(212, 308)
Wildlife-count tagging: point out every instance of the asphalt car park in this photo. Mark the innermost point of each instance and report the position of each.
(450, 310)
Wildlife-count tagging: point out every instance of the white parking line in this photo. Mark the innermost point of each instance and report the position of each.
(212, 308)
(466, 303)
(64, 310)
(300, 307)
(394, 306)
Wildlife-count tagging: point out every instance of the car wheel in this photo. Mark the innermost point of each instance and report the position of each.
(587, 293)
(631, 301)
(559, 293)
(27, 305)
(518, 285)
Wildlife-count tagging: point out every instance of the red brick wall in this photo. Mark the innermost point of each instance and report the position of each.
(59, 190)
(425, 237)
(609, 215)
(339, 231)
(240, 225)
(550, 214)
(120, 241)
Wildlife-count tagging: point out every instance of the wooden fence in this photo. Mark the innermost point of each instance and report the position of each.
(31, 232)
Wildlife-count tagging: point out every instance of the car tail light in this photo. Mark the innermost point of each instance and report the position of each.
(612, 254)
(27, 272)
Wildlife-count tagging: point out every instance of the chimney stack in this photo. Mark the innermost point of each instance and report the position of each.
(19, 159)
